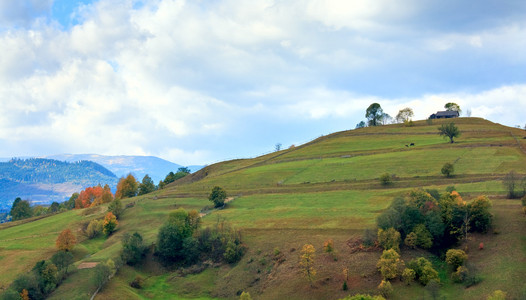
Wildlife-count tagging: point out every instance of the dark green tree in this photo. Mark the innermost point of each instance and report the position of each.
(217, 196)
(172, 236)
(20, 209)
(147, 185)
(62, 260)
(360, 125)
(374, 114)
(448, 169)
(133, 248)
(116, 208)
(54, 207)
(70, 204)
(449, 130)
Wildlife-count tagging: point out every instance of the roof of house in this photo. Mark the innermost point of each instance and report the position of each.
(447, 113)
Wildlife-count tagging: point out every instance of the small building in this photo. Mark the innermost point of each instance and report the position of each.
(445, 114)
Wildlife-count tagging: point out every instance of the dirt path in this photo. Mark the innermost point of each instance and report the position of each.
(87, 265)
(226, 201)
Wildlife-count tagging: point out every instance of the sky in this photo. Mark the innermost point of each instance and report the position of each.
(202, 81)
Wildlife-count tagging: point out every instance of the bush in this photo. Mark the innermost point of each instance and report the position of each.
(385, 179)
(385, 288)
(389, 239)
(410, 240)
(423, 237)
(137, 282)
(460, 274)
(497, 295)
(369, 237)
(481, 217)
(408, 275)
(94, 228)
(423, 270)
(389, 264)
(456, 258)
(115, 207)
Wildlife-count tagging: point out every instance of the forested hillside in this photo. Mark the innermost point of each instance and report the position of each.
(46, 180)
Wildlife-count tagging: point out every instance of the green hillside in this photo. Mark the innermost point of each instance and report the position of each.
(325, 189)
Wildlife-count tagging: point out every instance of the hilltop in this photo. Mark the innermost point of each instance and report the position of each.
(325, 189)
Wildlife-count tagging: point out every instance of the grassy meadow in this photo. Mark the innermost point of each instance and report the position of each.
(325, 189)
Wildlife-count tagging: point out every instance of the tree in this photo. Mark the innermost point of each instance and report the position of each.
(147, 185)
(183, 170)
(389, 239)
(277, 147)
(91, 196)
(374, 114)
(410, 240)
(423, 270)
(107, 195)
(110, 223)
(20, 209)
(449, 130)
(116, 208)
(389, 264)
(94, 228)
(54, 207)
(217, 196)
(62, 260)
(423, 236)
(456, 258)
(480, 216)
(133, 248)
(175, 238)
(448, 169)
(361, 124)
(307, 262)
(127, 187)
(510, 182)
(404, 115)
(452, 107)
(66, 240)
(70, 204)
(103, 271)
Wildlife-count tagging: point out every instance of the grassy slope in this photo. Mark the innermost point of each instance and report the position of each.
(324, 189)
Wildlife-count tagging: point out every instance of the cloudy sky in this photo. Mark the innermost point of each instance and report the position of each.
(201, 81)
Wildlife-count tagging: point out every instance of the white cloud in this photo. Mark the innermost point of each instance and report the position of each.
(196, 81)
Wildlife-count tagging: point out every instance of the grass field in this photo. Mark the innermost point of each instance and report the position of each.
(327, 188)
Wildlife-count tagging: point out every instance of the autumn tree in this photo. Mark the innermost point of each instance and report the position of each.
(107, 195)
(307, 262)
(147, 185)
(66, 240)
(456, 257)
(404, 115)
(217, 196)
(389, 264)
(449, 130)
(20, 209)
(389, 239)
(90, 196)
(127, 187)
(110, 223)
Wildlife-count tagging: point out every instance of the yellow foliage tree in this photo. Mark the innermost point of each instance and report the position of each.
(307, 262)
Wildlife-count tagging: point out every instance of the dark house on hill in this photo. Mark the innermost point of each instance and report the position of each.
(445, 114)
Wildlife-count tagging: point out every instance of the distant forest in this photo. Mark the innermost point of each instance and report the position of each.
(29, 177)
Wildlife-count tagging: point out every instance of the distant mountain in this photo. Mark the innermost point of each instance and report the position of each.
(157, 168)
(43, 181)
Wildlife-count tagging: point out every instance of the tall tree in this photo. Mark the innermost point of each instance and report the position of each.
(450, 106)
(449, 130)
(127, 187)
(217, 196)
(20, 209)
(110, 223)
(374, 114)
(66, 240)
(147, 185)
(308, 253)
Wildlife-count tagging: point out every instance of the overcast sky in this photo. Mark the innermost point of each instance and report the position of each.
(197, 82)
